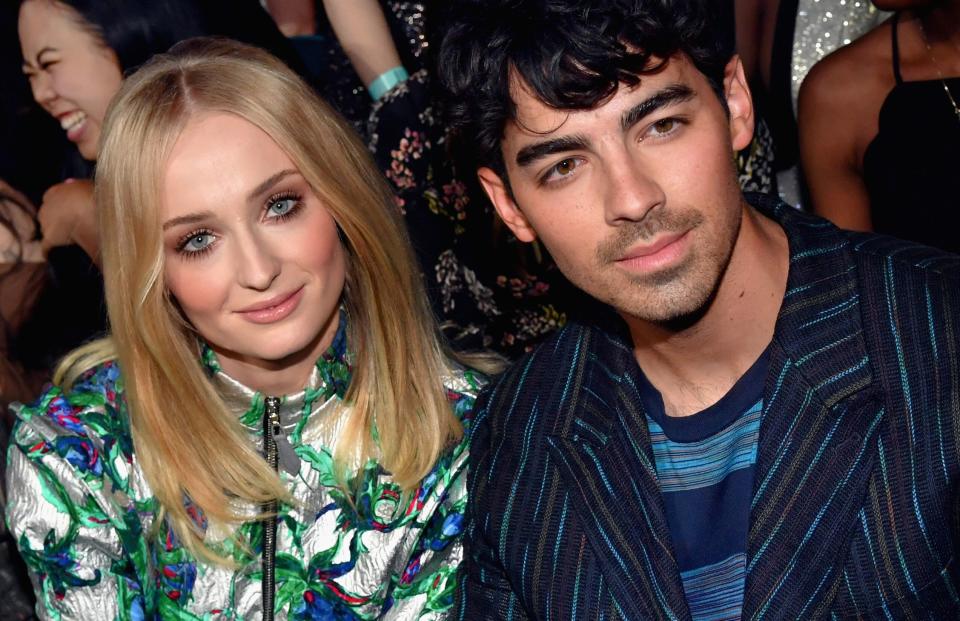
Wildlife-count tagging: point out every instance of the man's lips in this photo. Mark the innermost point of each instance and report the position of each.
(273, 309)
(665, 250)
(649, 249)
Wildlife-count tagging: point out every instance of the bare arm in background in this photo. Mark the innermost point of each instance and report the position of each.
(294, 18)
(67, 216)
(363, 33)
(756, 22)
(838, 117)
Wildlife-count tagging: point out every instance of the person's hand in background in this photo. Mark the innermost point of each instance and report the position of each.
(67, 216)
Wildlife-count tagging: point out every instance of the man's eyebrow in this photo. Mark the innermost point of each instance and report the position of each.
(673, 94)
(533, 152)
(269, 182)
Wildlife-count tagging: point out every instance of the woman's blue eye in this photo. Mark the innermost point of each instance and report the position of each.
(197, 242)
(282, 206)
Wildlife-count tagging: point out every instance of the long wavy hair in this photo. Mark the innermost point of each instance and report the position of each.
(197, 447)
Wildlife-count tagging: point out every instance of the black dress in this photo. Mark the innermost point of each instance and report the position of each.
(912, 167)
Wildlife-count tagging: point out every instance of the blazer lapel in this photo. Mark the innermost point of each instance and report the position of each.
(818, 437)
(602, 449)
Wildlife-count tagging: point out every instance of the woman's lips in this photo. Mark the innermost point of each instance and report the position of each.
(273, 310)
(73, 123)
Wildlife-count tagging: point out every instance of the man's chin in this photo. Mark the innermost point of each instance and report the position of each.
(675, 311)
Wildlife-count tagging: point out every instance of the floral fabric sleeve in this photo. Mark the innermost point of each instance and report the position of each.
(70, 566)
(67, 513)
(429, 580)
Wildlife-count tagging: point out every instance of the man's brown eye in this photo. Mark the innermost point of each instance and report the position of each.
(565, 167)
(664, 126)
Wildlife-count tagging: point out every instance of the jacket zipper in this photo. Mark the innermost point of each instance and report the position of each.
(271, 430)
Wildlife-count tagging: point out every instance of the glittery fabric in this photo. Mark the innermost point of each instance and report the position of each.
(409, 17)
(17, 601)
(823, 26)
(83, 516)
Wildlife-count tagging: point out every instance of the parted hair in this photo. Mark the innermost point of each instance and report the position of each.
(572, 54)
(185, 438)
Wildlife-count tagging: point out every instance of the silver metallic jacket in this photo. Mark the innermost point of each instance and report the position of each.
(83, 516)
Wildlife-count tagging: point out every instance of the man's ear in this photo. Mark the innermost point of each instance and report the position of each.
(739, 103)
(503, 202)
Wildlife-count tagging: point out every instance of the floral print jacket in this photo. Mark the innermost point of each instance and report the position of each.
(84, 517)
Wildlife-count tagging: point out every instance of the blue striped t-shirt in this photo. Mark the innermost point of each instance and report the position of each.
(705, 464)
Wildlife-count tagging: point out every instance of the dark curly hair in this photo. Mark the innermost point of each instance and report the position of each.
(572, 53)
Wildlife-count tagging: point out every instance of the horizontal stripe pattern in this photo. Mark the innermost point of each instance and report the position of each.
(684, 466)
(715, 592)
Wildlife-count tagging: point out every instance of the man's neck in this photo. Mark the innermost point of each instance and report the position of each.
(695, 366)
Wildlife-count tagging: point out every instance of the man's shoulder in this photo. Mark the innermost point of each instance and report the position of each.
(575, 354)
(812, 236)
(540, 367)
(897, 256)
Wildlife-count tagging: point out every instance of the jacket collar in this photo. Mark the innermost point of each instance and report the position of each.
(329, 378)
(817, 439)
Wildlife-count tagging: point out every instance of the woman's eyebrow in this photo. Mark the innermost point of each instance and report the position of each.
(269, 182)
(26, 61)
(191, 218)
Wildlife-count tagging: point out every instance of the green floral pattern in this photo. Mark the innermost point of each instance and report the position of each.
(84, 517)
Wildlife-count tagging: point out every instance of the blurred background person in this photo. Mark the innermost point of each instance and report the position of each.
(880, 126)
(778, 42)
(22, 273)
(374, 59)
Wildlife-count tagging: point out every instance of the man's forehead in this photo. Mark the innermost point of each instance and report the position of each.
(534, 117)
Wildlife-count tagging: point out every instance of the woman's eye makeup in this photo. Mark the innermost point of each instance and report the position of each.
(283, 205)
(277, 208)
(196, 243)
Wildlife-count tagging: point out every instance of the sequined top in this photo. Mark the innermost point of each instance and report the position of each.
(822, 26)
(82, 514)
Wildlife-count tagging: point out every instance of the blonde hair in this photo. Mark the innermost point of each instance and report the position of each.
(186, 439)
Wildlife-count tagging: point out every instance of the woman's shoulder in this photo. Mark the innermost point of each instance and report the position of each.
(851, 72)
(78, 424)
(95, 391)
(463, 384)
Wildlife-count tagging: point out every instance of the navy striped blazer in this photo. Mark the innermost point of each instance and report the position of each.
(855, 503)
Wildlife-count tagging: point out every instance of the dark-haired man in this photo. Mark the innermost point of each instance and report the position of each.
(761, 420)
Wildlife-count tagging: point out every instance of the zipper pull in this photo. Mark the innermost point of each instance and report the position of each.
(287, 457)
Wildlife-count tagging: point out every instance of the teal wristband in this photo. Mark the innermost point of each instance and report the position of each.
(385, 81)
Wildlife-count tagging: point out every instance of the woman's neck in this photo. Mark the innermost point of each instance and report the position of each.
(283, 376)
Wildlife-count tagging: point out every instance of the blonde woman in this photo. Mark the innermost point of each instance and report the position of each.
(263, 303)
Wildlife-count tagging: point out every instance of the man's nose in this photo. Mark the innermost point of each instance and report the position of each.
(631, 191)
